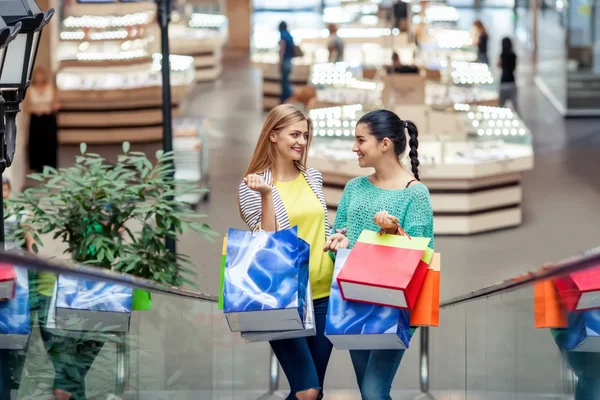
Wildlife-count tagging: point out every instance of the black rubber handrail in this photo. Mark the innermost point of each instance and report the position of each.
(589, 259)
(86, 271)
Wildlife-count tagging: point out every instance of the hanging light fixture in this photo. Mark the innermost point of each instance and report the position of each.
(7, 35)
(20, 55)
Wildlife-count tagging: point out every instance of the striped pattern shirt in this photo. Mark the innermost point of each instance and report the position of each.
(250, 201)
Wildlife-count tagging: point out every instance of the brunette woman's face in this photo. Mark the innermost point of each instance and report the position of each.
(291, 141)
(368, 149)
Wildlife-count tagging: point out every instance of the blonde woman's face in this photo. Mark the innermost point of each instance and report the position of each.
(291, 142)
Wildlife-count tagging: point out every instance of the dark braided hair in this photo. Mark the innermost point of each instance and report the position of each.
(386, 124)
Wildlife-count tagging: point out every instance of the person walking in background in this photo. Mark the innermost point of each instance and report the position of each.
(398, 68)
(335, 45)
(286, 53)
(480, 39)
(279, 192)
(400, 11)
(42, 104)
(392, 199)
(508, 85)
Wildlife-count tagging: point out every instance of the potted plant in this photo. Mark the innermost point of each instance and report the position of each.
(114, 215)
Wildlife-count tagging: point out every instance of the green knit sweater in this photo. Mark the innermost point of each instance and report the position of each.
(361, 200)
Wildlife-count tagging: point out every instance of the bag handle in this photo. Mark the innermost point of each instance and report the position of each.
(399, 230)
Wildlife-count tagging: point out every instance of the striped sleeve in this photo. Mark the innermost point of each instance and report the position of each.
(250, 206)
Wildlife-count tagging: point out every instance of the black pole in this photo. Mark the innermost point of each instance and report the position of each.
(164, 17)
(2, 168)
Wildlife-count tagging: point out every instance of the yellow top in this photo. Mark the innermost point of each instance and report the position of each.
(305, 210)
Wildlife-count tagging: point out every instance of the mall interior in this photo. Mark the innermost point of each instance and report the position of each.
(514, 186)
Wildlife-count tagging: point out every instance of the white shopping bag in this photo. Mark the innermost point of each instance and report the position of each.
(309, 326)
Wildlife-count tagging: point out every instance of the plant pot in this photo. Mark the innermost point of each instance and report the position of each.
(142, 300)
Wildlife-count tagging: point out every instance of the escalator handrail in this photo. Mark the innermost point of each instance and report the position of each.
(89, 272)
(588, 259)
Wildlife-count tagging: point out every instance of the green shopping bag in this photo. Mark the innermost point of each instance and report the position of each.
(141, 300)
(223, 253)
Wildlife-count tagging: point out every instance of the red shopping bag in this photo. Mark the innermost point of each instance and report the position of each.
(386, 270)
(8, 282)
(580, 290)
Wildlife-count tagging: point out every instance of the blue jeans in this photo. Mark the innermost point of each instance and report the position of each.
(304, 360)
(375, 371)
(586, 367)
(286, 84)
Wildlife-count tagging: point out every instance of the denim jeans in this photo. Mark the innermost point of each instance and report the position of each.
(375, 371)
(286, 84)
(509, 91)
(586, 366)
(304, 360)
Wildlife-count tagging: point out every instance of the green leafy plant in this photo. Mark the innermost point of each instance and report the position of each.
(115, 216)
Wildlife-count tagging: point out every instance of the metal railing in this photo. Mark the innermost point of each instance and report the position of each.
(589, 259)
(63, 267)
(122, 351)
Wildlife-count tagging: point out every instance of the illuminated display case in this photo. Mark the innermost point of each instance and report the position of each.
(109, 78)
(474, 178)
(201, 36)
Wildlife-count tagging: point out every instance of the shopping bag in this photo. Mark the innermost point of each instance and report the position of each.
(385, 270)
(583, 333)
(359, 326)
(88, 305)
(141, 300)
(222, 279)
(14, 314)
(266, 275)
(8, 282)
(309, 326)
(547, 309)
(426, 311)
(580, 290)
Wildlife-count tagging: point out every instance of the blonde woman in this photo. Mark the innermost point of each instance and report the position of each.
(279, 192)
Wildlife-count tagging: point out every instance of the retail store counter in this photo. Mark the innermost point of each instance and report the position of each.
(123, 104)
(475, 181)
(203, 39)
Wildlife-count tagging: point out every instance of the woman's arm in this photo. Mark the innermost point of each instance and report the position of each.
(282, 45)
(418, 221)
(55, 100)
(256, 204)
(269, 222)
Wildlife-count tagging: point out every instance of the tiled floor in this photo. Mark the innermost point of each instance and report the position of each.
(561, 200)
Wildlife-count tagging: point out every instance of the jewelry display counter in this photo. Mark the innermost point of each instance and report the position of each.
(474, 175)
(120, 104)
(203, 38)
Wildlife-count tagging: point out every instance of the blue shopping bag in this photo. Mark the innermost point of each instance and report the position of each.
(266, 277)
(89, 305)
(14, 315)
(359, 326)
(583, 332)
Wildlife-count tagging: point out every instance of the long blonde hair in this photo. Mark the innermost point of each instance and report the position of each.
(265, 151)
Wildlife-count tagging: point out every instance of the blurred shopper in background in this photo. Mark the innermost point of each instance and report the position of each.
(400, 11)
(508, 64)
(335, 45)
(398, 68)
(42, 104)
(286, 53)
(480, 39)
(304, 98)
